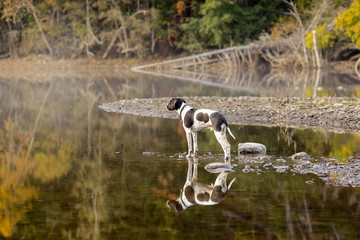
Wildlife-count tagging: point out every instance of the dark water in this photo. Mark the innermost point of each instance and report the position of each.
(70, 171)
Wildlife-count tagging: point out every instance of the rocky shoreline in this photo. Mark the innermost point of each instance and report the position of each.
(331, 114)
(333, 171)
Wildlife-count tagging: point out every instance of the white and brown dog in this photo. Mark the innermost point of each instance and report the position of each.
(195, 120)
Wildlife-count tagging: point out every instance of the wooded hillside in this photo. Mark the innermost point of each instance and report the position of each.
(142, 28)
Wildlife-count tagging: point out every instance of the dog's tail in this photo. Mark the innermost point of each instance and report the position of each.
(232, 181)
(230, 132)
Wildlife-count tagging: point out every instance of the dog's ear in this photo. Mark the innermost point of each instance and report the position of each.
(175, 206)
(180, 99)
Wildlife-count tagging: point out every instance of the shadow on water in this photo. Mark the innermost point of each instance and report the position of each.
(69, 170)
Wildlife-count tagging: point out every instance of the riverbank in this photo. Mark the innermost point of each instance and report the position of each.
(47, 64)
(38, 67)
(331, 114)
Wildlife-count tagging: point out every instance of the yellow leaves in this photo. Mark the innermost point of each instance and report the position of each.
(324, 38)
(345, 145)
(50, 166)
(52, 158)
(349, 22)
(357, 92)
(283, 27)
(15, 193)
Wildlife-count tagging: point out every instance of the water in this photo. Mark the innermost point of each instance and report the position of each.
(71, 171)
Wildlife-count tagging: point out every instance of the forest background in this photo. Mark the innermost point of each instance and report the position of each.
(168, 28)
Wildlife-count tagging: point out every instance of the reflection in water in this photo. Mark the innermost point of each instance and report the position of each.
(276, 83)
(69, 170)
(198, 193)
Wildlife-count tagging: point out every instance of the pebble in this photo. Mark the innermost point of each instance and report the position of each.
(268, 165)
(281, 169)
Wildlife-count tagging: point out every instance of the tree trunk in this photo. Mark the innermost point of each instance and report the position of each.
(153, 39)
(88, 24)
(38, 23)
(123, 29)
(317, 56)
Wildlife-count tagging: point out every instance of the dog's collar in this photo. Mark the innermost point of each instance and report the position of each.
(181, 109)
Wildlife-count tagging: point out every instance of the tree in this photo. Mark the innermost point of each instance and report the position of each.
(348, 23)
(225, 23)
(345, 24)
(11, 8)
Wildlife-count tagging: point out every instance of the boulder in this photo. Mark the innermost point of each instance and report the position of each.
(252, 148)
(300, 156)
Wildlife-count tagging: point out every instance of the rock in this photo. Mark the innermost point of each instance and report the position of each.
(300, 156)
(281, 160)
(268, 165)
(150, 153)
(281, 169)
(252, 148)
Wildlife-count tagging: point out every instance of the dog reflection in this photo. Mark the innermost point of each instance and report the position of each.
(195, 192)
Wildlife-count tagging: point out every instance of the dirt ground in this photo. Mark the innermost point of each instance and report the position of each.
(334, 114)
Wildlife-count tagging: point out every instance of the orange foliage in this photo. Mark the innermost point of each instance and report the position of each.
(16, 166)
(180, 7)
(164, 182)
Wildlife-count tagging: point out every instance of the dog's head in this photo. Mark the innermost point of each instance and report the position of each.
(175, 206)
(175, 104)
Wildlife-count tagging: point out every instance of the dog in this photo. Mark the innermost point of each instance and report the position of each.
(195, 120)
(198, 193)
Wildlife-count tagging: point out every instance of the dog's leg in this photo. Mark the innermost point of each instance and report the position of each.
(195, 173)
(221, 137)
(189, 142)
(227, 144)
(189, 175)
(194, 135)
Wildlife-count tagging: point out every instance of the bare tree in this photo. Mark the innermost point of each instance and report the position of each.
(121, 32)
(38, 23)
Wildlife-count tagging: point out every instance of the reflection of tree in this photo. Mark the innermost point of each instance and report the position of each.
(332, 144)
(89, 191)
(23, 156)
(16, 166)
(15, 191)
(275, 82)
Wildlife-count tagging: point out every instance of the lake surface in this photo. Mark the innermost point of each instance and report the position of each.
(71, 171)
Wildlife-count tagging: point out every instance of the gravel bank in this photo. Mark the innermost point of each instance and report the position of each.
(335, 114)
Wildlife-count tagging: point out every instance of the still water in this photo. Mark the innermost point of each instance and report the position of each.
(71, 171)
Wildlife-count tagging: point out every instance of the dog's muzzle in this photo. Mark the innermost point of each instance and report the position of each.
(169, 107)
